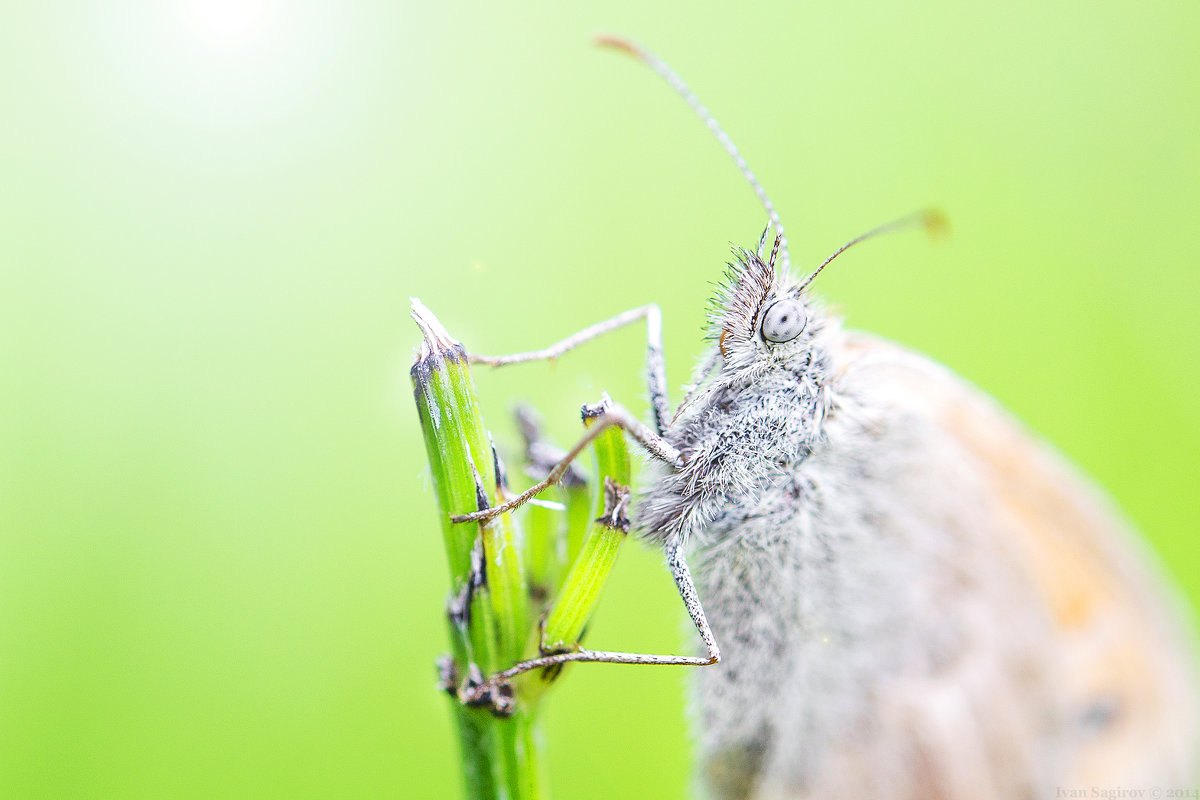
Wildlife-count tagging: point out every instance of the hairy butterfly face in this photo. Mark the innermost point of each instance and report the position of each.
(758, 318)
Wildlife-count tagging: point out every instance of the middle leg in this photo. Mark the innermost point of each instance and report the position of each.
(612, 415)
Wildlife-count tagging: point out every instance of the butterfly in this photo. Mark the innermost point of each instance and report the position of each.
(901, 592)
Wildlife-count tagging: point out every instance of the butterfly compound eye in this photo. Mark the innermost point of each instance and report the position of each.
(784, 321)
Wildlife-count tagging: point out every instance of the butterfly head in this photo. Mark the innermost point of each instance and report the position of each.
(759, 316)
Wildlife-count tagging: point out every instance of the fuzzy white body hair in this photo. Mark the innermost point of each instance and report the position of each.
(875, 577)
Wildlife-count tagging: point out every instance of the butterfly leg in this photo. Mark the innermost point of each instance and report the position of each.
(656, 372)
(608, 415)
(687, 590)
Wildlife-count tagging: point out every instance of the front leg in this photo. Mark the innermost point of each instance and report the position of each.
(656, 369)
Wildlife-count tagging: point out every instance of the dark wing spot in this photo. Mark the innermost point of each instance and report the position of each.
(1101, 714)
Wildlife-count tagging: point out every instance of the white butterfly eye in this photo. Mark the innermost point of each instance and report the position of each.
(784, 320)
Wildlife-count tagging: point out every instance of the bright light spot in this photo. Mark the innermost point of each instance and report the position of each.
(230, 22)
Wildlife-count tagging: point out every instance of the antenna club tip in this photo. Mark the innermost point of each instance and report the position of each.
(618, 43)
(935, 223)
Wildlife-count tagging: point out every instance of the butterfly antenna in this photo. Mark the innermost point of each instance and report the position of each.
(762, 241)
(931, 220)
(671, 77)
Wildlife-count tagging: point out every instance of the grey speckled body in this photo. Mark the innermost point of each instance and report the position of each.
(881, 582)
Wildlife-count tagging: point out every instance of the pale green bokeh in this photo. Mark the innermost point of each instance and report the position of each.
(219, 570)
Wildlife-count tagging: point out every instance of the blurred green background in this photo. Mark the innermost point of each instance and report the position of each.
(220, 573)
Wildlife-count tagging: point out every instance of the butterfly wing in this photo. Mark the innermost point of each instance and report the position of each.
(1122, 679)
